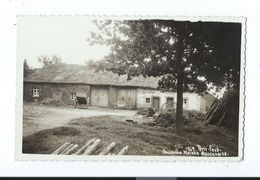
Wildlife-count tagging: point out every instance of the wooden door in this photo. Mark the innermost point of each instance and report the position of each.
(156, 103)
(99, 96)
(126, 98)
(103, 94)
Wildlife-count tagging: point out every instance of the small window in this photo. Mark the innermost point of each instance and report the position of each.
(185, 100)
(72, 96)
(36, 92)
(148, 100)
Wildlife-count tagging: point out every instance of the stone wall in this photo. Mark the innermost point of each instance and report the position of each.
(47, 90)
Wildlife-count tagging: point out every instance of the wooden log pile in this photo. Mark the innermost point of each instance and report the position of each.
(224, 112)
(92, 147)
(165, 119)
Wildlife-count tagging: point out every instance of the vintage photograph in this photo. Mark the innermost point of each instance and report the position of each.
(116, 87)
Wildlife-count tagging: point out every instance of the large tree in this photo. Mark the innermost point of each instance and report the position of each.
(187, 55)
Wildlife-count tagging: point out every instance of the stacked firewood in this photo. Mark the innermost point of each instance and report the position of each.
(225, 111)
(92, 147)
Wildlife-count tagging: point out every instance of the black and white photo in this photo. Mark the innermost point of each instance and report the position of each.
(122, 88)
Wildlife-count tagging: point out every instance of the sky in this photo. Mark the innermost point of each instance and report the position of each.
(57, 35)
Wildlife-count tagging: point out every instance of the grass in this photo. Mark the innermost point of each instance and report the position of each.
(141, 139)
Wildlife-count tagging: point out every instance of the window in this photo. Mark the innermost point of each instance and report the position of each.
(36, 92)
(148, 100)
(185, 100)
(72, 96)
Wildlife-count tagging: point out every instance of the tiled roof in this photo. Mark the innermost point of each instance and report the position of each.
(71, 73)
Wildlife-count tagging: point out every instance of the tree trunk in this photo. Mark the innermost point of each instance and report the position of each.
(179, 107)
(180, 76)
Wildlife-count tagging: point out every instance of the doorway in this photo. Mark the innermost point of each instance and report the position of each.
(169, 103)
(156, 103)
(99, 96)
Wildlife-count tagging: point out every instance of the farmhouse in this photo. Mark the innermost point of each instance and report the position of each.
(63, 82)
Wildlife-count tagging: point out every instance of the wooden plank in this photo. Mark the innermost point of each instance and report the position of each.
(83, 148)
(61, 148)
(93, 147)
(108, 149)
(123, 151)
(104, 97)
(67, 148)
(99, 96)
(70, 151)
(126, 98)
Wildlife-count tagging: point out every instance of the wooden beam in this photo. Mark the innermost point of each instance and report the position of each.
(93, 147)
(83, 148)
(108, 149)
(61, 148)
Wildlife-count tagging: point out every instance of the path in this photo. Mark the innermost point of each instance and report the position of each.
(39, 117)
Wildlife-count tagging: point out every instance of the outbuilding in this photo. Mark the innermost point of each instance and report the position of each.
(63, 82)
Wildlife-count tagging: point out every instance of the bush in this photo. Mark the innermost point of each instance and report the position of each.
(49, 101)
(165, 119)
(149, 112)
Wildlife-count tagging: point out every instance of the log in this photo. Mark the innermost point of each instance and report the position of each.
(224, 117)
(108, 149)
(61, 148)
(70, 151)
(220, 111)
(211, 108)
(225, 112)
(123, 151)
(67, 149)
(83, 148)
(215, 111)
(93, 147)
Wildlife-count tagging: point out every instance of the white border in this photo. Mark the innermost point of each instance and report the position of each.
(19, 102)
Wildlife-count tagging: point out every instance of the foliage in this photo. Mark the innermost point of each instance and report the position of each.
(98, 65)
(27, 70)
(187, 55)
(46, 60)
(210, 51)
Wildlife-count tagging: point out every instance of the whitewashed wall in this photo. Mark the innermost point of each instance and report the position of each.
(193, 99)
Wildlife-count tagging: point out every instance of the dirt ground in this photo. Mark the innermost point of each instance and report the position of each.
(46, 128)
(39, 117)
